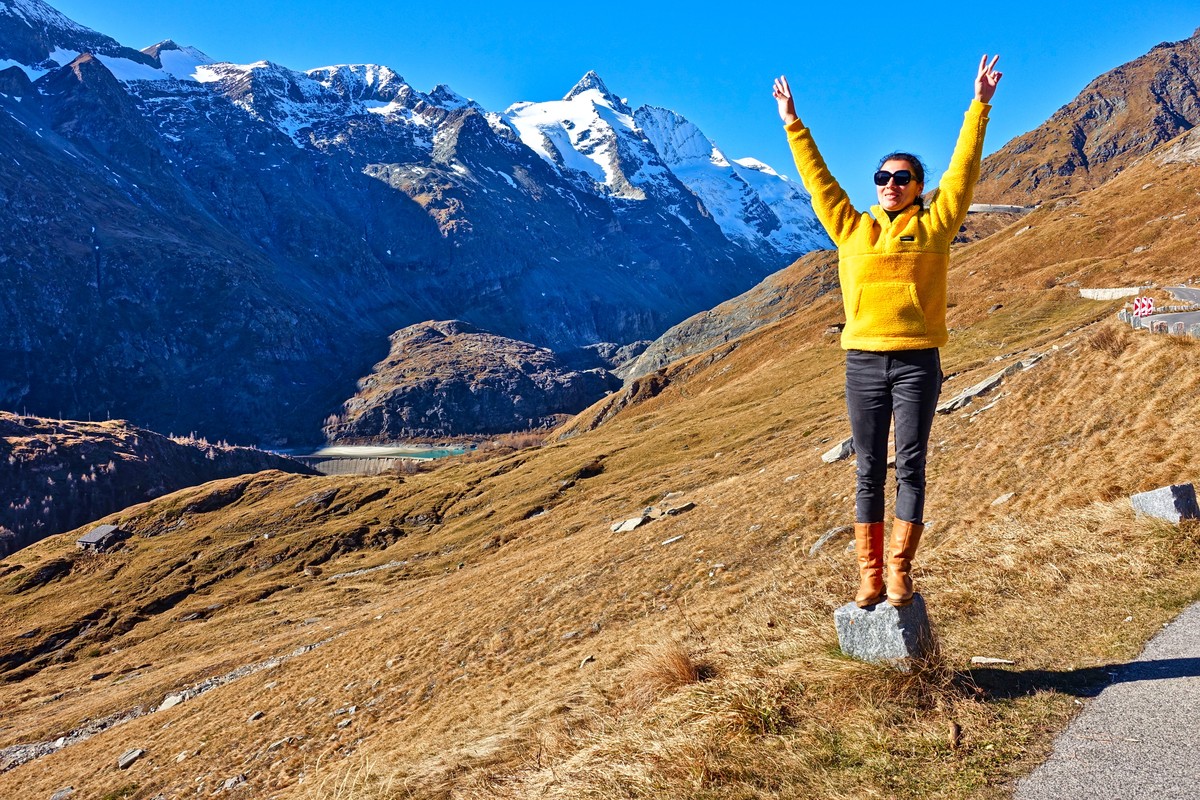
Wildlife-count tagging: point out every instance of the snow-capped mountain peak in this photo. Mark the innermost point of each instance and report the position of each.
(367, 82)
(592, 84)
(178, 61)
(758, 166)
(752, 204)
(677, 140)
(445, 97)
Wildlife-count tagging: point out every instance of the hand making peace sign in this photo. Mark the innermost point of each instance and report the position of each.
(987, 79)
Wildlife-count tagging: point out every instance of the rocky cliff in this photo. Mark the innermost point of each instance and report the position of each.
(779, 296)
(452, 379)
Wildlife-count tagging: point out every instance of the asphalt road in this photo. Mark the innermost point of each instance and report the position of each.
(1188, 318)
(1191, 293)
(1139, 739)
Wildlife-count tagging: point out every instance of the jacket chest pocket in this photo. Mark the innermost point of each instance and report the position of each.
(888, 309)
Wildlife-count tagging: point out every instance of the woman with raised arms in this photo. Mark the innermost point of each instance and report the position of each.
(892, 265)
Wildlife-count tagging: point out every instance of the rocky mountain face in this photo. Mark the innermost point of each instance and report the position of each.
(450, 378)
(206, 246)
(777, 297)
(1118, 118)
(34, 34)
(56, 475)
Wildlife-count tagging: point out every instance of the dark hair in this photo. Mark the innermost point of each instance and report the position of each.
(918, 167)
(918, 170)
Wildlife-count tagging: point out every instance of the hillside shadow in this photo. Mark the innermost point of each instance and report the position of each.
(1002, 684)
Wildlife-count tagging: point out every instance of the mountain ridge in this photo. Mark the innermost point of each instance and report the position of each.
(1120, 116)
(345, 203)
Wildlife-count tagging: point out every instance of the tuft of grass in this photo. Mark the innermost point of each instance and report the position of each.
(1111, 339)
(661, 670)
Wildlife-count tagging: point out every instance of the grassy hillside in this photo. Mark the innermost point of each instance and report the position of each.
(479, 631)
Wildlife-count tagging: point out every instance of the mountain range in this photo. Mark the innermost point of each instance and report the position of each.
(200, 245)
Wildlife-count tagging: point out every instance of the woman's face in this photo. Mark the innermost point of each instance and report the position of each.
(893, 197)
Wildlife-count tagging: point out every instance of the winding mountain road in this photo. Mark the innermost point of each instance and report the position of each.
(1189, 294)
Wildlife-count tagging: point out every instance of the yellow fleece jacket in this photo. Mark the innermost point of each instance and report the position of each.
(893, 271)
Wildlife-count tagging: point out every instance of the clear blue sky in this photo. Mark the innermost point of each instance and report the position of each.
(865, 82)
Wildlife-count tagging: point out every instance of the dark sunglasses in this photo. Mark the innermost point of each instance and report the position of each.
(901, 176)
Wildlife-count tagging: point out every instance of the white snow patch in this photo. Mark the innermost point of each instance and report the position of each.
(183, 63)
(206, 74)
(125, 70)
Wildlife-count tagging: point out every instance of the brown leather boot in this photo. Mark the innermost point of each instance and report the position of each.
(905, 538)
(868, 545)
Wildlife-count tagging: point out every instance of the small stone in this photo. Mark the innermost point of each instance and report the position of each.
(840, 451)
(344, 723)
(633, 523)
(170, 701)
(681, 508)
(1170, 503)
(883, 633)
(63, 793)
(128, 757)
(990, 660)
(790, 478)
(179, 759)
(256, 716)
(1004, 498)
(233, 783)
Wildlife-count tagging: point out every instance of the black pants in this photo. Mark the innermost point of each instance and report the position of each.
(904, 384)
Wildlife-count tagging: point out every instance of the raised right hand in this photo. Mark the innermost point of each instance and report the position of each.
(783, 96)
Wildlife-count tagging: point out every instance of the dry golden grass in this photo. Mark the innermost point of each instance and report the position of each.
(488, 629)
(661, 670)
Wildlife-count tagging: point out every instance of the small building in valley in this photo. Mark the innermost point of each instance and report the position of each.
(101, 538)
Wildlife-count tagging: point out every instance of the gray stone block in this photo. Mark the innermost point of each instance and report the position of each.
(1171, 503)
(830, 535)
(842, 450)
(884, 634)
